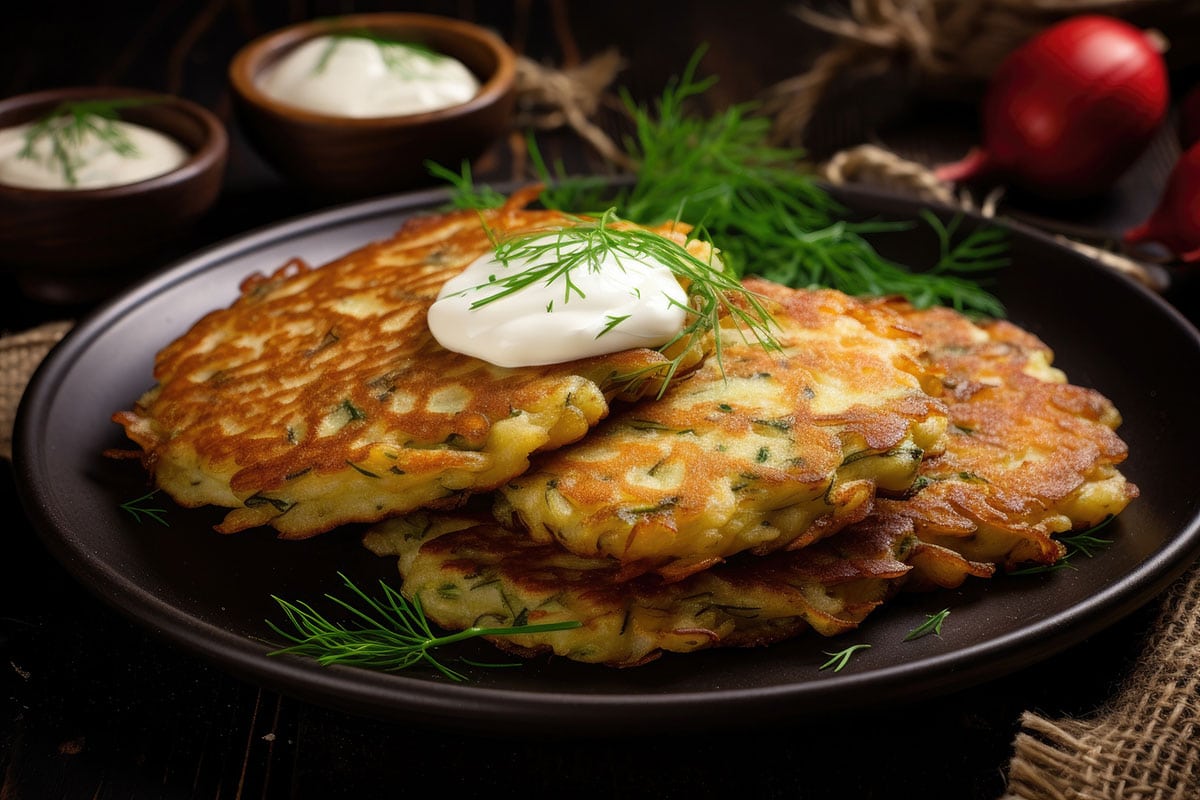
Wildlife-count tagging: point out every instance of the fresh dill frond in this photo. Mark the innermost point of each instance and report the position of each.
(1085, 543)
(465, 194)
(841, 658)
(983, 250)
(1042, 569)
(552, 257)
(611, 321)
(388, 633)
(398, 55)
(577, 194)
(961, 259)
(140, 512)
(932, 624)
(69, 124)
(763, 207)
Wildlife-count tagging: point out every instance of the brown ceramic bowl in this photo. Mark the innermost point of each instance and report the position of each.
(77, 246)
(356, 157)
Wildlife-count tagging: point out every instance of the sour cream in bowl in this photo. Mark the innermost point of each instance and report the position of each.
(357, 75)
(101, 184)
(85, 145)
(359, 105)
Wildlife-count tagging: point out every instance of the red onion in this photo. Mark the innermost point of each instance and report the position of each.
(1070, 110)
(1175, 223)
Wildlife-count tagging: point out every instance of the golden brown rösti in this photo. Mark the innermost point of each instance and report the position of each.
(320, 397)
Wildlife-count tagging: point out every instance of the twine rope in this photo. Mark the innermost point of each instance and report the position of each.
(875, 165)
(549, 98)
(872, 164)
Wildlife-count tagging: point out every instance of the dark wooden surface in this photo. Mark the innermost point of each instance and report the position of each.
(93, 706)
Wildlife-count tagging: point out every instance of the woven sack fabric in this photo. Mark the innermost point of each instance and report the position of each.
(20, 355)
(1144, 744)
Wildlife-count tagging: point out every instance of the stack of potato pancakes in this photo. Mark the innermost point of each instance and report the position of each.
(758, 494)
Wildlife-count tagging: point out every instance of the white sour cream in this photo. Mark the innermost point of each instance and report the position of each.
(537, 325)
(94, 161)
(347, 76)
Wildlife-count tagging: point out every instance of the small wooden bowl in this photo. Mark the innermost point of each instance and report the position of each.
(356, 157)
(78, 246)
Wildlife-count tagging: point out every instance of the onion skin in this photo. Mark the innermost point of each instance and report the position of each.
(1068, 112)
(1175, 223)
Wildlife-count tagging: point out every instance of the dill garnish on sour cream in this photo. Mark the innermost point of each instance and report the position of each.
(598, 287)
(85, 145)
(362, 75)
(760, 204)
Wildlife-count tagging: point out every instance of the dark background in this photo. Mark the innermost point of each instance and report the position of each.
(92, 706)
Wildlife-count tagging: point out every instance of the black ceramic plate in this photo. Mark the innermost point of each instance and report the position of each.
(211, 593)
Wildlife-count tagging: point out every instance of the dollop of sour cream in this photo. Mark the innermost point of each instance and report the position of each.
(349, 76)
(620, 303)
(95, 163)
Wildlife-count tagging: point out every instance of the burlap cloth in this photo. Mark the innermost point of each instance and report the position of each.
(20, 354)
(1142, 745)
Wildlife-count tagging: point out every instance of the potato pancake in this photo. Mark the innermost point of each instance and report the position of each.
(471, 572)
(1028, 455)
(754, 451)
(320, 397)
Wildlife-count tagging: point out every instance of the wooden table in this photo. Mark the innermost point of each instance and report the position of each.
(94, 706)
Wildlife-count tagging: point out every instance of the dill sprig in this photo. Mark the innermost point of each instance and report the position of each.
(69, 124)
(391, 633)
(140, 512)
(963, 264)
(932, 624)
(398, 56)
(551, 257)
(764, 208)
(838, 661)
(465, 193)
(1085, 543)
